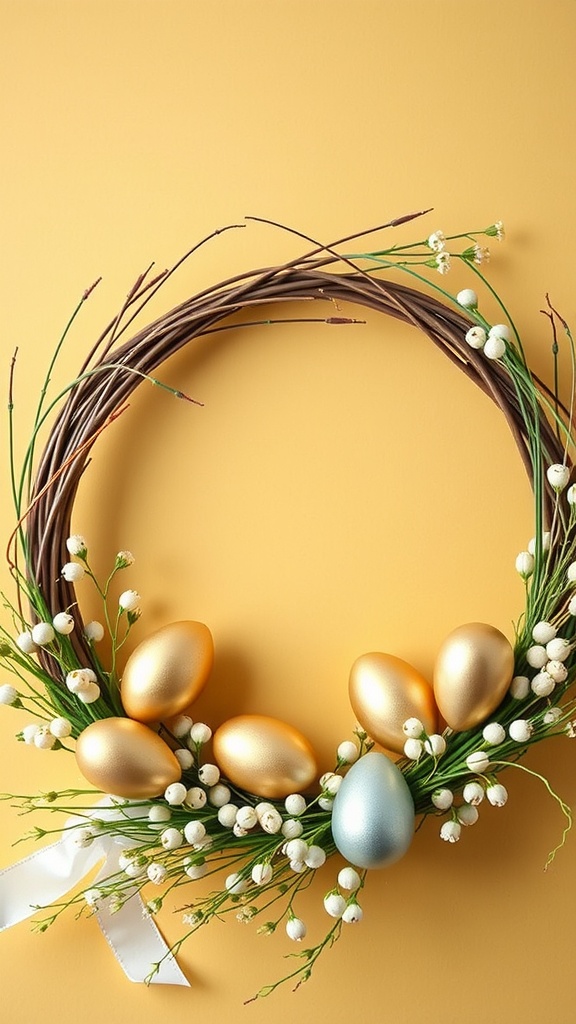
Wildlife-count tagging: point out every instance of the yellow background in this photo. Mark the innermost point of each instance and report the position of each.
(343, 489)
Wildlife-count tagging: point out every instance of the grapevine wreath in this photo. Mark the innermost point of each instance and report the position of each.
(173, 803)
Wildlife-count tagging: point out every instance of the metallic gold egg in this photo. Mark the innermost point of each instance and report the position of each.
(167, 671)
(264, 756)
(473, 670)
(384, 692)
(126, 758)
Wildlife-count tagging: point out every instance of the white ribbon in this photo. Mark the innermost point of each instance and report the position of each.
(51, 872)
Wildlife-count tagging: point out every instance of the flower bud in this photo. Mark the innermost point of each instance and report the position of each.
(295, 804)
(175, 794)
(558, 476)
(519, 687)
(353, 914)
(494, 733)
(467, 298)
(525, 564)
(42, 634)
(520, 730)
(413, 728)
(477, 761)
(73, 572)
(476, 337)
(63, 623)
(450, 831)
(334, 904)
(442, 799)
(295, 929)
(497, 795)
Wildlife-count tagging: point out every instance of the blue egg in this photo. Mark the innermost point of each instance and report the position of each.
(373, 813)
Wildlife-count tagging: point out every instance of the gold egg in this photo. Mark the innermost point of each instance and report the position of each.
(264, 756)
(126, 758)
(384, 692)
(473, 671)
(167, 671)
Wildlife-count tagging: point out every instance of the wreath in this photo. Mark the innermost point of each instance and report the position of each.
(173, 803)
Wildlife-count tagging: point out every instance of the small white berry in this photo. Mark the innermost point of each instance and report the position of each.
(495, 347)
(175, 794)
(25, 643)
(467, 298)
(543, 632)
(159, 813)
(76, 545)
(42, 633)
(552, 715)
(520, 730)
(218, 795)
(94, 631)
(209, 774)
(180, 726)
(227, 815)
(497, 795)
(353, 914)
(476, 337)
(29, 732)
(73, 572)
(196, 798)
(543, 684)
(63, 623)
(477, 761)
(194, 832)
(60, 727)
(545, 547)
(536, 656)
(525, 564)
(451, 831)
(292, 828)
(184, 758)
(8, 695)
(348, 752)
(246, 817)
(90, 694)
(235, 883)
(435, 745)
(442, 799)
(413, 749)
(499, 331)
(200, 733)
(44, 739)
(493, 733)
(295, 929)
(413, 728)
(334, 904)
(519, 687)
(473, 793)
(315, 857)
(558, 476)
(129, 601)
(467, 814)
(348, 879)
(262, 874)
(558, 649)
(171, 838)
(195, 869)
(295, 804)
(557, 670)
(296, 849)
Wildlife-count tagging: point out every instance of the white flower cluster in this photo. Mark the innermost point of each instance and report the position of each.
(419, 742)
(437, 243)
(493, 341)
(345, 908)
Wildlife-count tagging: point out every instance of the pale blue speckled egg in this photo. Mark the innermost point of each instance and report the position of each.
(373, 813)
